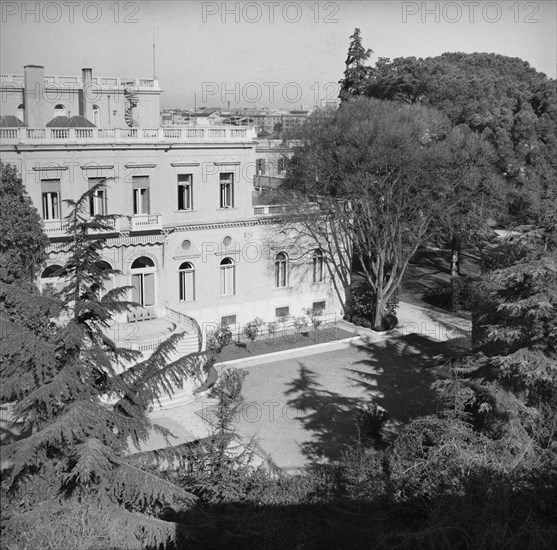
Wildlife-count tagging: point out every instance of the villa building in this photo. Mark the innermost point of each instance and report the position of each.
(192, 239)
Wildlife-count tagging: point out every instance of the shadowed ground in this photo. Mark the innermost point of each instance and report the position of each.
(304, 409)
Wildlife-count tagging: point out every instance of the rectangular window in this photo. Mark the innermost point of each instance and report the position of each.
(187, 285)
(228, 320)
(185, 192)
(51, 199)
(319, 306)
(282, 311)
(227, 280)
(281, 165)
(227, 190)
(260, 167)
(97, 201)
(140, 186)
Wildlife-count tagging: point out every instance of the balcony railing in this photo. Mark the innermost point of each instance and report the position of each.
(110, 83)
(276, 209)
(127, 135)
(146, 222)
(59, 228)
(55, 227)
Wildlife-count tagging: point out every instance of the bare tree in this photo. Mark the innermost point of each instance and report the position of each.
(383, 177)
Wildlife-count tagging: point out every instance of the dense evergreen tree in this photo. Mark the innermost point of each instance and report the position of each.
(81, 401)
(22, 240)
(509, 386)
(356, 73)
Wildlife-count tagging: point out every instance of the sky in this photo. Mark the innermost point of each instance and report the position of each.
(277, 54)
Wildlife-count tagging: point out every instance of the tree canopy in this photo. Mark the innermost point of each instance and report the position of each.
(513, 106)
(401, 171)
(22, 240)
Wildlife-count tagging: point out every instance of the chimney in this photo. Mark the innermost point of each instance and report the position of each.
(33, 95)
(85, 107)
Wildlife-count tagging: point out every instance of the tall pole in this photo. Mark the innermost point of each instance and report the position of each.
(154, 66)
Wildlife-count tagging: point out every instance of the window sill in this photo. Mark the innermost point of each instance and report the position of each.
(184, 211)
(227, 208)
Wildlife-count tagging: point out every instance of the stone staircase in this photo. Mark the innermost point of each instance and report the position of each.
(189, 343)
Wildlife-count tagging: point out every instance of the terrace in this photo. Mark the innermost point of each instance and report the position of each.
(34, 136)
(76, 82)
(136, 223)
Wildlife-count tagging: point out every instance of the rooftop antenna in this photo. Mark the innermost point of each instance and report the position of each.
(154, 66)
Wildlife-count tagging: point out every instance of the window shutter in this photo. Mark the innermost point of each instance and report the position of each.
(149, 281)
(136, 288)
(190, 287)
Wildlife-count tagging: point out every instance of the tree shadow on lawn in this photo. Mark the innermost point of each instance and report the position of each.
(394, 373)
(328, 415)
(397, 373)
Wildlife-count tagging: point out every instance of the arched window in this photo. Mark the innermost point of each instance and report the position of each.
(52, 279)
(60, 110)
(281, 270)
(186, 274)
(21, 111)
(96, 116)
(318, 266)
(142, 263)
(143, 281)
(227, 277)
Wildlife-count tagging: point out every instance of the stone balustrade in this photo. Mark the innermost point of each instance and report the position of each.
(127, 135)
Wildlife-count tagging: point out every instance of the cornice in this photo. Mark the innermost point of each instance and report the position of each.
(97, 167)
(136, 165)
(57, 168)
(165, 147)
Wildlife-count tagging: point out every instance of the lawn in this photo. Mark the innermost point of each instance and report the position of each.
(304, 409)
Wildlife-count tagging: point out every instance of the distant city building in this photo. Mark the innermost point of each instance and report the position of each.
(265, 121)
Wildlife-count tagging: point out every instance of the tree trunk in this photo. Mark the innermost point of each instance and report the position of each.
(348, 299)
(455, 257)
(454, 264)
(379, 306)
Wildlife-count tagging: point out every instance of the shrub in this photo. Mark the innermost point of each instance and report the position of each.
(219, 339)
(371, 419)
(314, 315)
(301, 324)
(363, 307)
(455, 295)
(253, 329)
